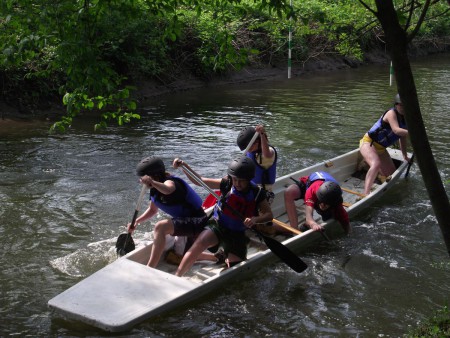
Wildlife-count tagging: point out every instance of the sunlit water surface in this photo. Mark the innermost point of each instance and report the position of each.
(66, 198)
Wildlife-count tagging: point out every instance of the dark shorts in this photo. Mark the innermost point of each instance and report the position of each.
(234, 242)
(189, 226)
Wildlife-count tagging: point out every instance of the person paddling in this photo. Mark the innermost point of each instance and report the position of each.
(227, 229)
(175, 197)
(265, 157)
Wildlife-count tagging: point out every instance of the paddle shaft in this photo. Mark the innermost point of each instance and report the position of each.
(283, 252)
(249, 145)
(296, 231)
(353, 192)
(138, 205)
(122, 251)
(409, 165)
(286, 226)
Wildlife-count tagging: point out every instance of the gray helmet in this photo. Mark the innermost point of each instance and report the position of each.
(330, 193)
(397, 99)
(242, 167)
(245, 136)
(151, 166)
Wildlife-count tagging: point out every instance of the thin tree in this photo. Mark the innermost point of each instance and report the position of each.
(397, 40)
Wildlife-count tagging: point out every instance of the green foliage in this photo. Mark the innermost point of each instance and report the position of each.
(436, 326)
(117, 106)
(88, 50)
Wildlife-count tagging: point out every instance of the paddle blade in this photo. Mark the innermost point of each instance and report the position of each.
(284, 253)
(124, 244)
(210, 200)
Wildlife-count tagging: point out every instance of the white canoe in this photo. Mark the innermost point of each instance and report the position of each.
(127, 292)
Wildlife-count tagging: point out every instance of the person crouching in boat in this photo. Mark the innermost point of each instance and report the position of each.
(243, 204)
(264, 156)
(320, 192)
(389, 128)
(175, 197)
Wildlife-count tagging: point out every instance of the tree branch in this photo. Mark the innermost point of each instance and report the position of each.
(420, 21)
(368, 8)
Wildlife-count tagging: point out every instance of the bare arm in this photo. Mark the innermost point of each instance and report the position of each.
(391, 118)
(165, 188)
(403, 147)
(147, 214)
(267, 151)
(310, 222)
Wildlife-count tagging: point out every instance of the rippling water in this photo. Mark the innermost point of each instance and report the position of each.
(64, 200)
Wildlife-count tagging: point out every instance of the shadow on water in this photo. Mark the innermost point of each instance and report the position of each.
(65, 199)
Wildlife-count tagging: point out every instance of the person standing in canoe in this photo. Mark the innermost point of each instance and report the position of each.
(264, 156)
(320, 192)
(175, 197)
(389, 128)
(243, 204)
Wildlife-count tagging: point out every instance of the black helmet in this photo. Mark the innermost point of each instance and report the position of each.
(397, 99)
(330, 193)
(245, 136)
(151, 166)
(242, 167)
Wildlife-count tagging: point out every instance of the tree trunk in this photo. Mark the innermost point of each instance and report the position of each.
(397, 45)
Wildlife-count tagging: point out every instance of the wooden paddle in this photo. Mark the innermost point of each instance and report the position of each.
(296, 231)
(353, 192)
(286, 226)
(283, 252)
(125, 243)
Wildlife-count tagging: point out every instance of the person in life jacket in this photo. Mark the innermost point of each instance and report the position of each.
(262, 154)
(176, 198)
(320, 192)
(388, 129)
(242, 205)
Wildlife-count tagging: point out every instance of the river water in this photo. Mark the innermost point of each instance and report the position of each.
(64, 199)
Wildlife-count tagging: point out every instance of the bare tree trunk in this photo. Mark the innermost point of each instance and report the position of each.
(397, 44)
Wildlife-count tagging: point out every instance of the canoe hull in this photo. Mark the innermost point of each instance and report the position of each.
(126, 292)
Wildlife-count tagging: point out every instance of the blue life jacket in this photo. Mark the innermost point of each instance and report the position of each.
(183, 202)
(320, 175)
(381, 132)
(264, 176)
(246, 204)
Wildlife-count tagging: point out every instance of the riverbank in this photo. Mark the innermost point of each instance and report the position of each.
(147, 89)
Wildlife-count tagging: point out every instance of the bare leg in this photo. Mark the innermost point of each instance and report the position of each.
(371, 157)
(204, 241)
(387, 165)
(205, 256)
(233, 258)
(162, 228)
(290, 194)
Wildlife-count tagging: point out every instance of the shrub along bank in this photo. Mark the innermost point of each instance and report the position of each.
(93, 55)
